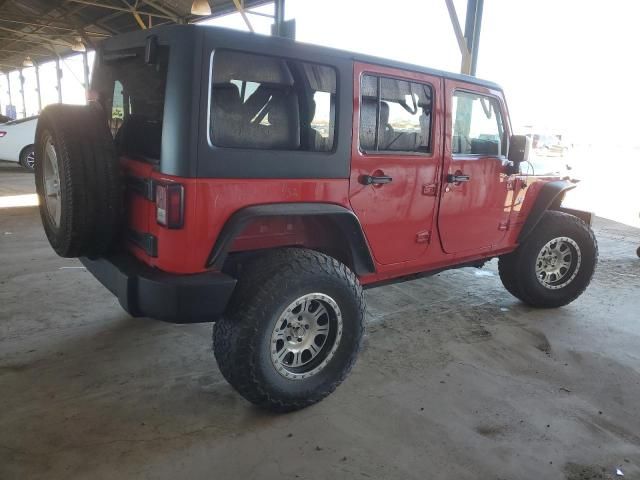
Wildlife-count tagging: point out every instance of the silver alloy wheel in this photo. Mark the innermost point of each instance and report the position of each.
(306, 336)
(30, 159)
(51, 181)
(558, 263)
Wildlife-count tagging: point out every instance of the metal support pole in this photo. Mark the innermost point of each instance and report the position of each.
(58, 78)
(9, 90)
(472, 27)
(85, 65)
(38, 87)
(24, 105)
(280, 27)
(279, 16)
(476, 36)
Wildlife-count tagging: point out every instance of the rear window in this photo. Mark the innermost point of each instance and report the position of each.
(265, 102)
(395, 115)
(132, 95)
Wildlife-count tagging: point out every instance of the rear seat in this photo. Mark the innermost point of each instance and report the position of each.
(268, 119)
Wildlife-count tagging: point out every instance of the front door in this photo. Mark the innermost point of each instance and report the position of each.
(396, 157)
(477, 197)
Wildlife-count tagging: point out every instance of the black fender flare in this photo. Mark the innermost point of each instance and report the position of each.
(549, 197)
(344, 219)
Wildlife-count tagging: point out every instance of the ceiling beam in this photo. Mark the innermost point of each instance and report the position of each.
(56, 27)
(162, 9)
(462, 42)
(41, 36)
(240, 9)
(24, 52)
(121, 9)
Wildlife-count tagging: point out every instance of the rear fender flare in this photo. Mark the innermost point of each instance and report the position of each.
(549, 198)
(345, 220)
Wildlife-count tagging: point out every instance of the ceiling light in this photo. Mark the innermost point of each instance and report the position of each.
(27, 62)
(77, 45)
(200, 7)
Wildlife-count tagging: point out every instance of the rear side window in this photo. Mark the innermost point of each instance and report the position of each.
(265, 102)
(395, 115)
(477, 125)
(132, 93)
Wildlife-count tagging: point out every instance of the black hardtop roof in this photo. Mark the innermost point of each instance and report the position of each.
(245, 41)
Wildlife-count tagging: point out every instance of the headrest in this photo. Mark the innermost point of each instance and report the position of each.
(384, 113)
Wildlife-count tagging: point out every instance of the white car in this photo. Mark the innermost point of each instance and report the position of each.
(16, 141)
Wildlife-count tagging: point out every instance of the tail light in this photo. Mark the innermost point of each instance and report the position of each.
(2, 134)
(170, 205)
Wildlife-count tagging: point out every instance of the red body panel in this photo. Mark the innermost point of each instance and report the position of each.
(208, 205)
(474, 215)
(394, 214)
(463, 223)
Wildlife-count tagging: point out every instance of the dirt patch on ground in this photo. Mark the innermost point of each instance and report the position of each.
(575, 471)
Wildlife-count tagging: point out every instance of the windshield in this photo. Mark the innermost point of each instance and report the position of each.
(132, 94)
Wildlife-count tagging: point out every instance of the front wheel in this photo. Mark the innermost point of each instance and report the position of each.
(554, 265)
(292, 331)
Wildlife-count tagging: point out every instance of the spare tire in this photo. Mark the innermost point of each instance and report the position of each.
(77, 180)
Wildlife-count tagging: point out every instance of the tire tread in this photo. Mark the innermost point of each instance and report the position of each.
(240, 324)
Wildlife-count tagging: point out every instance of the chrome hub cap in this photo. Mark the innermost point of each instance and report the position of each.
(51, 181)
(306, 336)
(558, 263)
(30, 160)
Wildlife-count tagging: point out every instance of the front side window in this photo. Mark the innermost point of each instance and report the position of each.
(395, 115)
(477, 125)
(273, 103)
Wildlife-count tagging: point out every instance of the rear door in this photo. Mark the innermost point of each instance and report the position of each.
(477, 194)
(395, 160)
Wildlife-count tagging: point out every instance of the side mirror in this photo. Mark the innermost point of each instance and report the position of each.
(519, 146)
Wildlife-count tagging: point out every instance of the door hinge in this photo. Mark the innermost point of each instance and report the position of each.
(423, 237)
(503, 226)
(430, 190)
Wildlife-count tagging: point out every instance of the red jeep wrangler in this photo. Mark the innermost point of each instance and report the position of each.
(260, 184)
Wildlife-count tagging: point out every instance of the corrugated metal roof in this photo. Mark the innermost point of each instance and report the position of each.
(43, 29)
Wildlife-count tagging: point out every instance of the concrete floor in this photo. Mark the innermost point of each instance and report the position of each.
(457, 380)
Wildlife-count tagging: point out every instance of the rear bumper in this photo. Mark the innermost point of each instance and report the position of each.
(147, 292)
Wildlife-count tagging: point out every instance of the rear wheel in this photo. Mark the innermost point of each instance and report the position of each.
(292, 331)
(554, 265)
(28, 158)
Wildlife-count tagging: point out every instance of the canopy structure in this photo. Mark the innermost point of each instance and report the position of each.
(46, 29)
(41, 32)
(40, 41)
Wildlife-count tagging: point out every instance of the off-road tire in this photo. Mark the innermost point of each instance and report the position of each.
(24, 158)
(242, 337)
(89, 180)
(517, 269)
(507, 272)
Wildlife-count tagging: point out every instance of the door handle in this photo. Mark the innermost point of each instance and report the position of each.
(375, 180)
(457, 178)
